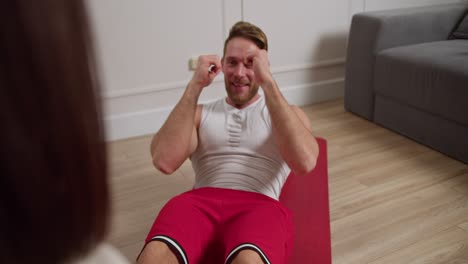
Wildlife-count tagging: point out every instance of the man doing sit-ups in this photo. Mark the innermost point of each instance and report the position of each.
(242, 149)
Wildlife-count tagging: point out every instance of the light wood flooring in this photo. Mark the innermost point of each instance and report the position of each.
(391, 200)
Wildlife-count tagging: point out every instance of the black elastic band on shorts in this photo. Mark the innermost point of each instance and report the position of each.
(243, 246)
(173, 245)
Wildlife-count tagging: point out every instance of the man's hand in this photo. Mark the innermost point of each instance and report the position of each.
(209, 66)
(261, 68)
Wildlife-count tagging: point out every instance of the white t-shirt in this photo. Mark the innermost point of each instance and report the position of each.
(103, 254)
(236, 150)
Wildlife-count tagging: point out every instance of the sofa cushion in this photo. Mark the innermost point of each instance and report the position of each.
(432, 77)
(461, 30)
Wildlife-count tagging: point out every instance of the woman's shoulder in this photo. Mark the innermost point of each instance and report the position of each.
(103, 254)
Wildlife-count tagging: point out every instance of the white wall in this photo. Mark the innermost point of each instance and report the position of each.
(144, 46)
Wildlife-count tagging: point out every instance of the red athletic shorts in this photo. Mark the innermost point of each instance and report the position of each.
(211, 225)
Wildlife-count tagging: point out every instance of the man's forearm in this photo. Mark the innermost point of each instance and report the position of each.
(172, 144)
(296, 144)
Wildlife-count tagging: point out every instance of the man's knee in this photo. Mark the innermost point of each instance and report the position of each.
(157, 252)
(247, 256)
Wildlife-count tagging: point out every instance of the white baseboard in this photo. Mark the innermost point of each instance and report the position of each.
(311, 93)
(148, 122)
(135, 124)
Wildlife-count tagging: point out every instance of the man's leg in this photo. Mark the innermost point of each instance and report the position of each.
(157, 252)
(258, 228)
(247, 256)
(184, 228)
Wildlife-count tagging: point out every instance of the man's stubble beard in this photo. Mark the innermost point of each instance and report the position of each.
(239, 101)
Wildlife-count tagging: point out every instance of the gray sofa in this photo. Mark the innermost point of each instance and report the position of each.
(403, 73)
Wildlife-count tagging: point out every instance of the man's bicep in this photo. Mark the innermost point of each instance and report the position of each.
(194, 138)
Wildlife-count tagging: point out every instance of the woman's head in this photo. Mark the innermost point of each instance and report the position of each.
(54, 197)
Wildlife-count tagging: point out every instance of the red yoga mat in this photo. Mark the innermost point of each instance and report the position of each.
(307, 197)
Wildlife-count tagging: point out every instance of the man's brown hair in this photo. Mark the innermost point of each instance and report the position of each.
(54, 198)
(248, 31)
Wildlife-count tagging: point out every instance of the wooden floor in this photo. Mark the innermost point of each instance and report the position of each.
(391, 199)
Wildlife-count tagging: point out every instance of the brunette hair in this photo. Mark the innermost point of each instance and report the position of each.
(53, 176)
(248, 31)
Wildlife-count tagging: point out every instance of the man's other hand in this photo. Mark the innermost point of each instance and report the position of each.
(209, 66)
(261, 67)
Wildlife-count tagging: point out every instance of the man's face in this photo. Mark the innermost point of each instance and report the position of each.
(238, 73)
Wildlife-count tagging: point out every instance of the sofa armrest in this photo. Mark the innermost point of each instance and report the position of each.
(372, 32)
